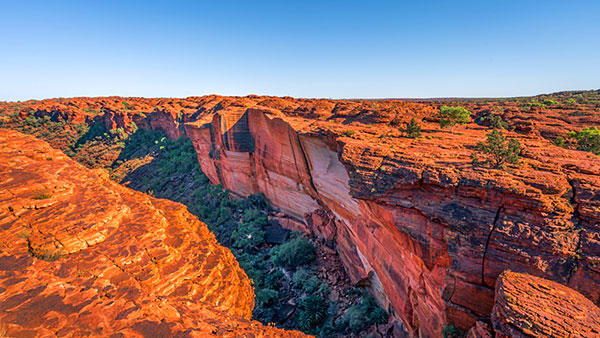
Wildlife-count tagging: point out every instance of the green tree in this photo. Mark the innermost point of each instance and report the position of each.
(413, 129)
(498, 150)
(588, 139)
(247, 236)
(296, 252)
(451, 116)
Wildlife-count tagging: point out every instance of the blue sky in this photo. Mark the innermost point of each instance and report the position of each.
(336, 49)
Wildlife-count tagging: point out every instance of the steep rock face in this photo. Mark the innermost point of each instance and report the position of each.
(431, 237)
(427, 230)
(528, 306)
(84, 256)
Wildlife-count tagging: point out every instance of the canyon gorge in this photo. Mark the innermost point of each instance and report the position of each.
(437, 240)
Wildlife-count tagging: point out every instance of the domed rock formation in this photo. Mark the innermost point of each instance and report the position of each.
(84, 256)
(528, 306)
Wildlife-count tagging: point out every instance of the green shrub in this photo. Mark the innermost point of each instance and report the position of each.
(253, 264)
(304, 280)
(247, 236)
(451, 331)
(571, 102)
(498, 151)
(579, 113)
(46, 254)
(41, 194)
(560, 141)
(588, 139)
(349, 132)
(313, 311)
(266, 297)
(378, 316)
(361, 316)
(127, 105)
(355, 319)
(496, 122)
(533, 104)
(550, 102)
(451, 116)
(273, 279)
(413, 129)
(296, 252)
(255, 216)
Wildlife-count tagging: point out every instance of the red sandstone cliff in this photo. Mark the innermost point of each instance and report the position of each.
(84, 256)
(415, 219)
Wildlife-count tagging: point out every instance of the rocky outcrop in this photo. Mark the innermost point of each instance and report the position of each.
(528, 306)
(415, 220)
(84, 256)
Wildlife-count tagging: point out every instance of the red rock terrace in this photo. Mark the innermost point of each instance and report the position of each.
(93, 258)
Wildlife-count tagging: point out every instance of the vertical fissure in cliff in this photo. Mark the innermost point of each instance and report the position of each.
(578, 223)
(487, 243)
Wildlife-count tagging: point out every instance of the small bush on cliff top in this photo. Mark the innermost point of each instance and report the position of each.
(451, 116)
(498, 150)
(296, 252)
(41, 194)
(349, 132)
(588, 139)
(413, 129)
(496, 122)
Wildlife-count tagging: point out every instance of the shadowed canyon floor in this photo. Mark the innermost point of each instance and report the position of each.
(414, 220)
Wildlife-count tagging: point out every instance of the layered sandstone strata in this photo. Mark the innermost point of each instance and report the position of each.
(528, 306)
(84, 256)
(428, 231)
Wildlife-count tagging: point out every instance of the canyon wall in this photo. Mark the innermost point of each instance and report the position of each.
(413, 219)
(429, 236)
(82, 256)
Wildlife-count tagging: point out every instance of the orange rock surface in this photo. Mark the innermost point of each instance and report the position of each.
(528, 306)
(81, 256)
(413, 218)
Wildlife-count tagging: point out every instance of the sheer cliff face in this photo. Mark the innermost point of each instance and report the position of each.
(84, 256)
(414, 219)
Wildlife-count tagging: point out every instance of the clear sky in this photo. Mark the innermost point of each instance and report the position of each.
(336, 49)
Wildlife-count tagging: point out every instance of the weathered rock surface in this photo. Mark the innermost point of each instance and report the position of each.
(414, 219)
(81, 255)
(528, 306)
(479, 330)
